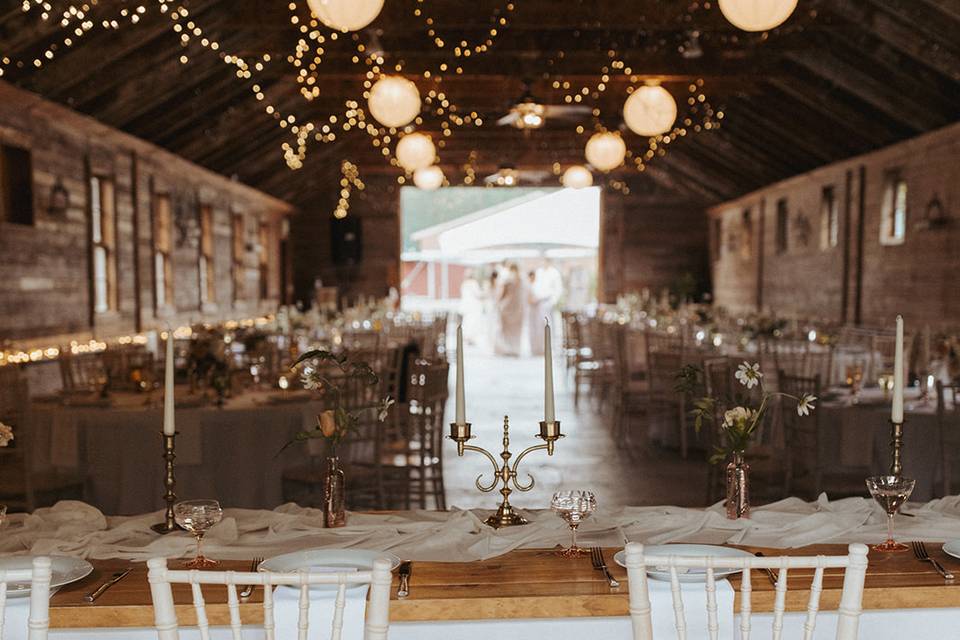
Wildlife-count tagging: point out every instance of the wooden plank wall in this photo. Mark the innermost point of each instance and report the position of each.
(44, 278)
(917, 278)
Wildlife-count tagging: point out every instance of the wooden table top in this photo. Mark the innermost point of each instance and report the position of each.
(529, 583)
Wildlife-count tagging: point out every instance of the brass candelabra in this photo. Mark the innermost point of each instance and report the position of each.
(504, 473)
(896, 448)
(169, 482)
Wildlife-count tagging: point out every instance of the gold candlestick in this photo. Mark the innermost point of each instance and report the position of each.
(169, 455)
(896, 448)
(505, 473)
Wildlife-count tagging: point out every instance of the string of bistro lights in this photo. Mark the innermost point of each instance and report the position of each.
(395, 108)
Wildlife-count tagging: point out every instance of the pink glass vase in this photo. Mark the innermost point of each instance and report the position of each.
(738, 487)
(334, 489)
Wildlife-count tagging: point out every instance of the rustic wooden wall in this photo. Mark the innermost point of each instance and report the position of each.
(44, 281)
(916, 278)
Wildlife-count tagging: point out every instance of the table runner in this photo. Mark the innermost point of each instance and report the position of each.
(78, 529)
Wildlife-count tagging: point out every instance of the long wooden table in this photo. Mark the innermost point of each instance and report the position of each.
(532, 583)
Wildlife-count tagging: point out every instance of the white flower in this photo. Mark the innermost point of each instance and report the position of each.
(6, 434)
(310, 379)
(385, 408)
(805, 404)
(735, 415)
(749, 374)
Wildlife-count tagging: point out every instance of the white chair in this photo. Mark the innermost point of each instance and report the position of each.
(855, 565)
(161, 578)
(39, 578)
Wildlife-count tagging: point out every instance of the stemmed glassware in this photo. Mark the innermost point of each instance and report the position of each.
(197, 516)
(574, 507)
(890, 492)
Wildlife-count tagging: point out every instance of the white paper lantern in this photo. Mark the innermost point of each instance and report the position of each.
(606, 150)
(415, 151)
(650, 111)
(428, 178)
(346, 15)
(577, 177)
(394, 101)
(757, 15)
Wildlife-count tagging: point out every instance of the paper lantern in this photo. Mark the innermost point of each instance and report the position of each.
(757, 15)
(650, 111)
(577, 177)
(394, 101)
(606, 150)
(428, 178)
(346, 15)
(415, 151)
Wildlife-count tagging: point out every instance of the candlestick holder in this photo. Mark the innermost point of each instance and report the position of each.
(896, 448)
(504, 473)
(169, 482)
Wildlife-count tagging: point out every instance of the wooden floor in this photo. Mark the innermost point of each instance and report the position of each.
(587, 458)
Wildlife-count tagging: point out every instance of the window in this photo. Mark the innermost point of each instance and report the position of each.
(829, 219)
(16, 186)
(162, 265)
(236, 255)
(893, 214)
(717, 238)
(206, 271)
(746, 238)
(783, 226)
(263, 260)
(103, 239)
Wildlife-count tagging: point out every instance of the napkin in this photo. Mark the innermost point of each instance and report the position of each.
(287, 609)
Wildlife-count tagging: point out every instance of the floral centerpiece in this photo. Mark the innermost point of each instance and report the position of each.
(337, 422)
(737, 426)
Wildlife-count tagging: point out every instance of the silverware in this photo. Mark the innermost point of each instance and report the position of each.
(247, 590)
(773, 577)
(596, 556)
(920, 551)
(404, 572)
(114, 579)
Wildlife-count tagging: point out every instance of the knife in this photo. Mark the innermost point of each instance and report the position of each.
(117, 577)
(404, 572)
(773, 577)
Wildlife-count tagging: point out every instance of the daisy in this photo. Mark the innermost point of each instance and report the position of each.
(6, 434)
(805, 404)
(385, 408)
(735, 415)
(749, 374)
(310, 379)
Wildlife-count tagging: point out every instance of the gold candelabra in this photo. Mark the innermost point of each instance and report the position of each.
(169, 482)
(896, 448)
(504, 472)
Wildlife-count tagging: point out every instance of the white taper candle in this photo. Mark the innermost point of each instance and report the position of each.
(169, 426)
(549, 412)
(461, 395)
(896, 415)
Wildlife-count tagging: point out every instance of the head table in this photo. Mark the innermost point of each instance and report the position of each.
(470, 581)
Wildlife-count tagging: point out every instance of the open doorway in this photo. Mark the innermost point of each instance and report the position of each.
(501, 258)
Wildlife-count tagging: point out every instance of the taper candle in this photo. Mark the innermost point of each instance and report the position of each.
(169, 427)
(549, 413)
(461, 396)
(896, 415)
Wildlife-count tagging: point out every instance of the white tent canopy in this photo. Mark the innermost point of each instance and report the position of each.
(564, 218)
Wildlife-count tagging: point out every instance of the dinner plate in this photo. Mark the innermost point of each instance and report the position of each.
(64, 570)
(952, 548)
(327, 560)
(689, 574)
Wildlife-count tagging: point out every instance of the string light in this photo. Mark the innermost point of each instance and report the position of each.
(349, 179)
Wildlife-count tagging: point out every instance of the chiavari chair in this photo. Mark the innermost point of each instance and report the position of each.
(39, 577)
(948, 426)
(854, 565)
(82, 374)
(162, 579)
(664, 404)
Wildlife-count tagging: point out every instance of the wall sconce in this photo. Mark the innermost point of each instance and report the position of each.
(59, 200)
(935, 215)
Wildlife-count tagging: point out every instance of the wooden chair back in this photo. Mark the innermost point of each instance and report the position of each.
(161, 580)
(82, 373)
(802, 433)
(851, 599)
(948, 425)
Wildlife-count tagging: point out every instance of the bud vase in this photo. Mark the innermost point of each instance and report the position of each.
(334, 487)
(738, 487)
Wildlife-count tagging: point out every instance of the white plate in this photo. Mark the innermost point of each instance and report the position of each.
(697, 550)
(64, 569)
(952, 548)
(327, 559)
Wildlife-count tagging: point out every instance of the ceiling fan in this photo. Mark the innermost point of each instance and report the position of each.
(530, 113)
(509, 176)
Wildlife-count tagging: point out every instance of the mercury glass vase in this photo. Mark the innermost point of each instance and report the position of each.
(738, 487)
(334, 489)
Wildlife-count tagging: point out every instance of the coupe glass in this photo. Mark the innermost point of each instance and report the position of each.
(890, 492)
(197, 516)
(574, 507)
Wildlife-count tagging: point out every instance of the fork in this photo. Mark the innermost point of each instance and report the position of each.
(596, 556)
(920, 551)
(247, 590)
